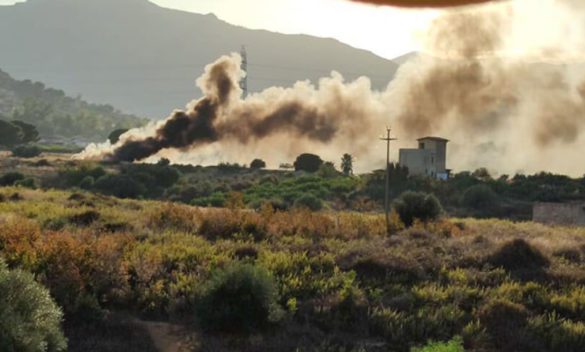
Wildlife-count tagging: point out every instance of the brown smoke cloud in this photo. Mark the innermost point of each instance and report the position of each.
(503, 108)
(491, 80)
(425, 3)
(297, 119)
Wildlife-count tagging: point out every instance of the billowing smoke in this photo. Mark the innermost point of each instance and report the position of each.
(498, 88)
(276, 124)
(504, 82)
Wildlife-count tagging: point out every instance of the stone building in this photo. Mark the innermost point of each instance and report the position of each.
(429, 159)
(568, 214)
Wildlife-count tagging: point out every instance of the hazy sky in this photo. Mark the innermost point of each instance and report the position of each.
(359, 25)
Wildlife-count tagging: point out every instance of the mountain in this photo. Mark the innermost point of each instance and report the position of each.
(58, 116)
(401, 60)
(144, 58)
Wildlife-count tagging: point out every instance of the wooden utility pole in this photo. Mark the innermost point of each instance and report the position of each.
(388, 139)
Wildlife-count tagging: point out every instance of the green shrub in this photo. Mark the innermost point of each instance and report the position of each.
(87, 183)
(258, 164)
(241, 298)
(120, 186)
(479, 197)
(26, 151)
(505, 322)
(517, 255)
(414, 205)
(29, 319)
(455, 345)
(26, 183)
(9, 179)
(308, 163)
(554, 333)
(309, 201)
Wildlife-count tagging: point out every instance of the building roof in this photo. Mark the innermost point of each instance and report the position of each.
(438, 139)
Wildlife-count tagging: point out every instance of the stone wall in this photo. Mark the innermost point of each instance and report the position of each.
(559, 213)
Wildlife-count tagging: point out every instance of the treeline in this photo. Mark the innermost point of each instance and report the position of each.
(57, 115)
(313, 183)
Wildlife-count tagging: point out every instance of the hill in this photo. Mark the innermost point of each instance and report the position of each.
(57, 115)
(143, 58)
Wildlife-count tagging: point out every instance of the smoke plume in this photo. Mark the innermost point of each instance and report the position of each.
(276, 124)
(503, 81)
(498, 89)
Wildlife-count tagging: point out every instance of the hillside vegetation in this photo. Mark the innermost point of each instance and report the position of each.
(57, 115)
(296, 280)
(465, 194)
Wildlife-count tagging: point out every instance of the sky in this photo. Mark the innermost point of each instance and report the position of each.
(358, 25)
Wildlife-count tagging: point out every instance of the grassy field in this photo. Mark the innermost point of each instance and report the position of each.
(341, 283)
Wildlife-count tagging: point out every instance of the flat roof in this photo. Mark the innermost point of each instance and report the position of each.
(433, 139)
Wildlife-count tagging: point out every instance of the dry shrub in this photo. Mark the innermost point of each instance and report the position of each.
(247, 252)
(15, 197)
(221, 223)
(17, 241)
(85, 218)
(170, 216)
(109, 268)
(571, 255)
(505, 322)
(301, 222)
(383, 265)
(62, 262)
(358, 226)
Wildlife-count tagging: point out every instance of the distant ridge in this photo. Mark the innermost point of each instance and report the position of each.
(143, 58)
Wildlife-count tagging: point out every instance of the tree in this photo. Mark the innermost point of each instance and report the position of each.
(114, 137)
(26, 151)
(241, 298)
(308, 162)
(30, 134)
(10, 134)
(257, 164)
(29, 319)
(310, 202)
(479, 197)
(413, 206)
(347, 164)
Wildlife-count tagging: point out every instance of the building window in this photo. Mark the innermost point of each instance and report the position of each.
(421, 145)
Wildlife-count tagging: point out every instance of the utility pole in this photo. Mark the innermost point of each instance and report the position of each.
(244, 81)
(388, 139)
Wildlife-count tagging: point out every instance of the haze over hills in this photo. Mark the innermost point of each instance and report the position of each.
(143, 58)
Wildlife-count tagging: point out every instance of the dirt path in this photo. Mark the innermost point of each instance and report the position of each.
(167, 337)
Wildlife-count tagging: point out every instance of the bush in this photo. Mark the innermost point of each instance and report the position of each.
(26, 151)
(517, 255)
(26, 183)
(85, 219)
(479, 197)
(29, 319)
(241, 298)
(258, 164)
(309, 201)
(505, 322)
(87, 183)
(414, 205)
(455, 345)
(308, 163)
(120, 186)
(11, 178)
